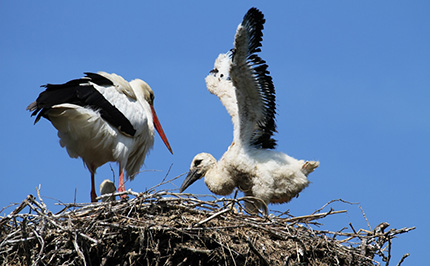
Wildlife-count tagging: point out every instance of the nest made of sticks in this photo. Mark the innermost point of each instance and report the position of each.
(164, 228)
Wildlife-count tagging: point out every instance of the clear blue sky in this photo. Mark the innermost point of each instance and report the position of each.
(352, 81)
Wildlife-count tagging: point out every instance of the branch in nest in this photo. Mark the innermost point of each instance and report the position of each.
(172, 228)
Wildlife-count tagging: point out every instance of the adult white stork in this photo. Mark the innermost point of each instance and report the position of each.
(102, 118)
(241, 81)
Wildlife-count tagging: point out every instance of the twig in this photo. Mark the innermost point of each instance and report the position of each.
(353, 229)
(403, 258)
(364, 215)
(113, 173)
(332, 201)
(74, 196)
(17, 210)
(211, 217)
(313, 216)
(78, 250)
(40, 198)
(251, 246)
(42, 243)
(7, 207)
(163, 182)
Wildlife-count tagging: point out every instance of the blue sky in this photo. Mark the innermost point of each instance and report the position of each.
(352, 81)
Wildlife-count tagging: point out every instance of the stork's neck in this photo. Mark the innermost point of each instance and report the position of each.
(225, 91)
(219, 181)
(140, 90)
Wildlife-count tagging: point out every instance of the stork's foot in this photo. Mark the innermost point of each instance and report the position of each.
(121, 186)
(122, 189)
(309, 166)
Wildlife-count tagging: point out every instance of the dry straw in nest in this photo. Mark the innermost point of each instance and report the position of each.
(165, 228)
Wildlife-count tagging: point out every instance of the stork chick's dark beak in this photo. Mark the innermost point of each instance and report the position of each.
(193, 176)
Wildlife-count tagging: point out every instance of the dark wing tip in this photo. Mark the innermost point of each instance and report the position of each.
(253, 22)
(32, 106)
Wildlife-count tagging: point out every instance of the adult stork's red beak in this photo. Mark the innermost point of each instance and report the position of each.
(160, 129)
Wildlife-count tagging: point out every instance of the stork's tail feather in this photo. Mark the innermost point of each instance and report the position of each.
(309, 166)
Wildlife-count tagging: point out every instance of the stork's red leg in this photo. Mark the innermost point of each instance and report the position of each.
(93, 190)
(121, 186)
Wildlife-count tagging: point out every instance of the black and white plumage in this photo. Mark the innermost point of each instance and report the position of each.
(102, 118)
(241, 81)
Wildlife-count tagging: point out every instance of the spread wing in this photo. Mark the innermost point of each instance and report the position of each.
(254, 87)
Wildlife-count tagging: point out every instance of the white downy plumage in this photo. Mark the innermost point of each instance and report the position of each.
(241, 81)
(102, 118)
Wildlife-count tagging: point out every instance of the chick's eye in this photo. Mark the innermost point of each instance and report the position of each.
(213, 71)
(197, 163)
(222, 75)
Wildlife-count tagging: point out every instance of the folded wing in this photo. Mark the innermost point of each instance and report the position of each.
(83, 92)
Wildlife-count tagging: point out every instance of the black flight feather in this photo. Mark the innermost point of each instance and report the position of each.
(81, 92)
(253, 22)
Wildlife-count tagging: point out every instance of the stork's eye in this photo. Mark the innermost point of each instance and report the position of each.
(197, 162)
(152, 97)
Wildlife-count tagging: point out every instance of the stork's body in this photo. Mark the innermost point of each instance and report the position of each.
(241, 81)
(102, 118)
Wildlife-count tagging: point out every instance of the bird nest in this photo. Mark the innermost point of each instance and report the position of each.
(165, 228)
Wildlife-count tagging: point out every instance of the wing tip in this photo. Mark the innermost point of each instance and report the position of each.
(253, 24)
(254, 13)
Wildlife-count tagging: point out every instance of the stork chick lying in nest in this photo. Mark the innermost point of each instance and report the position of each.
(241, 81)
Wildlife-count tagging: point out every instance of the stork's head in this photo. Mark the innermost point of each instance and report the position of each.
(200, 165)
(219, 77)
(222, 66)
(142, 90)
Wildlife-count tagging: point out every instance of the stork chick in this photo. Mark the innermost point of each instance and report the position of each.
(242, 83)
(107, 187)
